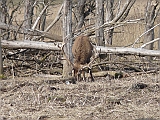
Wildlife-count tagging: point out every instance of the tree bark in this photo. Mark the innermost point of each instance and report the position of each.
(67, 36)
(150, 18)
(80, 13)
(159, 33)
(2, 19)
(99, 21)
(159, 40)
(109, 17)
(41, 24)
(1, 61)
(27, 44)
(120, 16)
(28, 14)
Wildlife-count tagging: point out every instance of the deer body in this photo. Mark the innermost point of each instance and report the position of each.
(82, 51)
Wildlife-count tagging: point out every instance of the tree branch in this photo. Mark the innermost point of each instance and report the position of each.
(122, 11)
(56, 19)
(150, 42)
(144, 34)
(40, 15)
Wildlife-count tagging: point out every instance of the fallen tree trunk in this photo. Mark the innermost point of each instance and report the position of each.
(26, 44)
(129, 51)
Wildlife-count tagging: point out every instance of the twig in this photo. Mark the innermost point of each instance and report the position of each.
(53, 23)
(112, 23)
(45, 57)
(123, 11)
(150, 42)
(35, 32)
(16, 32)
(144, 34)
(40, 15)
(144, 72)
(130, 66)
(56, 19)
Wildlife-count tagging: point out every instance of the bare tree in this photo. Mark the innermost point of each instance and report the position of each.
(67, 36)
(1, 61)
(99, 21)
(42, 21)
(83, 9)
(159, 37)
(80, 13)
(109, 17)
(118, 17)
(150, 19)
(3, 13)
(28, 15)
(159, 28)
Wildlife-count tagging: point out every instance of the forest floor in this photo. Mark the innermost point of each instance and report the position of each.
(41, 98)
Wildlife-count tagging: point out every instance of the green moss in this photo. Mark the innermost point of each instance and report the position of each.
(2, 76)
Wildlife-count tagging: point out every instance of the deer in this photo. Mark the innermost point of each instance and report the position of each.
(82, 50)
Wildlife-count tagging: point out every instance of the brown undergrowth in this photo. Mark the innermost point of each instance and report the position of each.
(34, 98)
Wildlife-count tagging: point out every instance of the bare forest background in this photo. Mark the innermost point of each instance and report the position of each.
(127, 30)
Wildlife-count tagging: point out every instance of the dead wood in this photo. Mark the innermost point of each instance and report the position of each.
(31, 32)
(109, 62)
(52, 46)
(144, 72)
(26, 44)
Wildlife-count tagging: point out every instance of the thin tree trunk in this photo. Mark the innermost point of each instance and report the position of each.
(67, 36)
(2, 19)
(159, 35)
(99, 21)
(109, 17)
(28, 14)
(42, 21)
(1, 61)
(150, 18)
(80, 13)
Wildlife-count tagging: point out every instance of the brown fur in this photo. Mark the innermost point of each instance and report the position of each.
(82, 51)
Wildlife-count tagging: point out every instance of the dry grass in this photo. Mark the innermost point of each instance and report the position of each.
(34, 98)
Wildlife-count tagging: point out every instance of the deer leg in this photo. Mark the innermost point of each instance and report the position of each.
(84, 78)
(79, 76)
(76, 75)
(90, 72)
